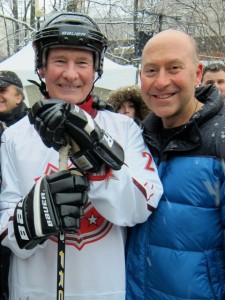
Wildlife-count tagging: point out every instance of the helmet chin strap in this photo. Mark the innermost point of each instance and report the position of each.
(90, 90)
(41, 86)
(86, 99)
(93, 85)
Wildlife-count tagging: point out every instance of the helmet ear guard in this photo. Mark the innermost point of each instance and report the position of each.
(70, 30)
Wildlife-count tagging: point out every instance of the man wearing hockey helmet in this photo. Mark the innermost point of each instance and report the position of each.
(78, 37)
(117, 185)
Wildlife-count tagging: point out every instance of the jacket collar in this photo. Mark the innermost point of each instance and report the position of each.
(15, 115)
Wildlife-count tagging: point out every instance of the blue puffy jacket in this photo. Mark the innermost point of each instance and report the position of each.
(179, 252)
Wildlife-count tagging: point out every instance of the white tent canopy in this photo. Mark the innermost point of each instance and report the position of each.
(114, 75)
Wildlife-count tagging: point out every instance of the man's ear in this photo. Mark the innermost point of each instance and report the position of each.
(139, 74)
(42, 72)
(199, 72)
(19, 99)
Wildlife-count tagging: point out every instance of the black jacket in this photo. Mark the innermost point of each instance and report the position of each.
(15, 115)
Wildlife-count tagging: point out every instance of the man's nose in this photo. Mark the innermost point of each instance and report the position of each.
(162, 80)
(70, 72)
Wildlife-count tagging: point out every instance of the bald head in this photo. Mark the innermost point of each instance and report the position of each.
(173, 38)
(170, 71)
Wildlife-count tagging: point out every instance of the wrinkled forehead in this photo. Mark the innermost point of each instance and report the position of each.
(81, 51)
(76, 52)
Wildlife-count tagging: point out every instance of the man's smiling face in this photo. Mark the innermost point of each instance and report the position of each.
(169, 75)
(9, 99)
(69, 74)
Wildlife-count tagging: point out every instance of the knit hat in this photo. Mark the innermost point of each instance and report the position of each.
(9, 78)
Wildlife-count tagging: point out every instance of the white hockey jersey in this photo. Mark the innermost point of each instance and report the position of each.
(95, 258)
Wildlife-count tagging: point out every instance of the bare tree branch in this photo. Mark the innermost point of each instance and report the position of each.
(17, 21)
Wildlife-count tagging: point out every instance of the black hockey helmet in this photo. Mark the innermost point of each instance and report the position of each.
(68, 29)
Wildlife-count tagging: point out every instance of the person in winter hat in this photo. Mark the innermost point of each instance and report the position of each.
(12, 106)
(12, 109)
(128, 101)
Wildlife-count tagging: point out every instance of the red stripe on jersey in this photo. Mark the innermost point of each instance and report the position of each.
(151, 208)
(4, 234)
(100, 177)
(140, 187)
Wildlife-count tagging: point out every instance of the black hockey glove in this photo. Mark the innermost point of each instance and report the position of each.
(48, 117)
(55, 121)
(55, 203)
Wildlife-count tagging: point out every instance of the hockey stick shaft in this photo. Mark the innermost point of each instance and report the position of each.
(63, 165)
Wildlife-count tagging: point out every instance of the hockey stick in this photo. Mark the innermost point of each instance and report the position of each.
(63, 165)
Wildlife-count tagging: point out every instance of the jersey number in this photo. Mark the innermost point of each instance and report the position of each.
(149, 162)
